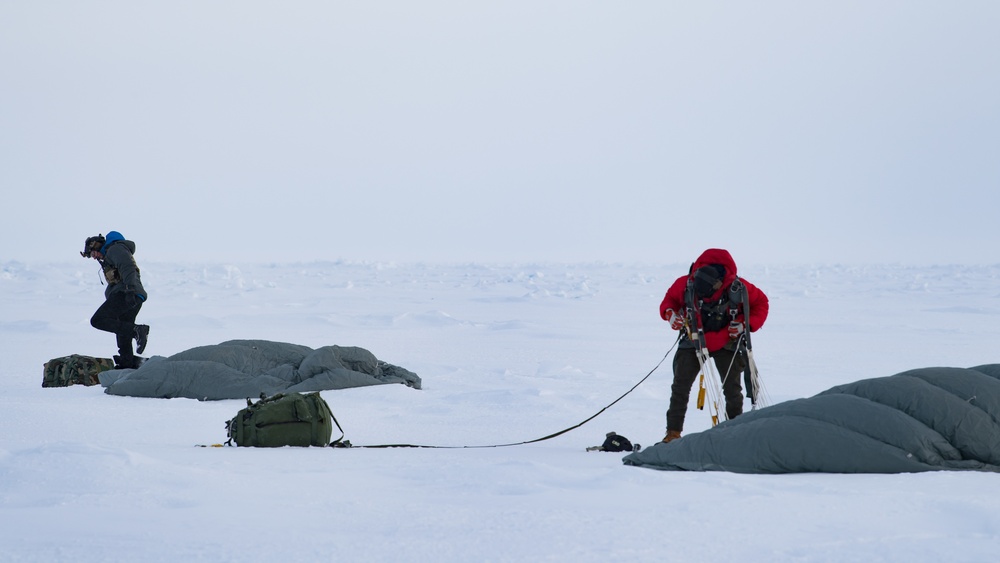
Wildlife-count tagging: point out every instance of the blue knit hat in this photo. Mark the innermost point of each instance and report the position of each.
(113, 237)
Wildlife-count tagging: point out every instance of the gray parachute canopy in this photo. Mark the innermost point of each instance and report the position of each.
(919, 420)
(240, 369)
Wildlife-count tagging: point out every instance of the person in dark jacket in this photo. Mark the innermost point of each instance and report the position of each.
(706, 291)
(123, 296)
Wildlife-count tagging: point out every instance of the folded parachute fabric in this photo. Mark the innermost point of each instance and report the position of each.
(239, 369)
(920, 420)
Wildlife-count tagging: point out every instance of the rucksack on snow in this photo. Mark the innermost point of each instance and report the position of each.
(292, 419)
(74, 370)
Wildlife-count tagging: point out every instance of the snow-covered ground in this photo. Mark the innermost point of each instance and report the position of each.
(507, 352)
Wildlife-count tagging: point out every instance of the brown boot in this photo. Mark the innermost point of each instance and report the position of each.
(671, 436)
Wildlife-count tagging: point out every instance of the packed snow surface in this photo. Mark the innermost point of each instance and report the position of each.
(507, 353)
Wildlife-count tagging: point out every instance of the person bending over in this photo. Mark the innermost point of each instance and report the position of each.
(706, 296)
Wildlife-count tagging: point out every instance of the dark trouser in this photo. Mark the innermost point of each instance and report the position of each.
(686, 370)
(117, 317)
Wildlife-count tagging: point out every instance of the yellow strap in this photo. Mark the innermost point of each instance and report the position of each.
(701, 393)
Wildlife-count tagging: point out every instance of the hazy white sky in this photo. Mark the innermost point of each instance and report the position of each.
(841, 131)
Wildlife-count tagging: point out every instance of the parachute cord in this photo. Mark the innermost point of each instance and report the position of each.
(717, 396)
(760, 392)
(722, 413)
(707, 365)
(761, 397)
(347, 444)
(732, 362)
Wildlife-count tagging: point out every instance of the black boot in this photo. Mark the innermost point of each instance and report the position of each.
(141, 336)
(125, 363)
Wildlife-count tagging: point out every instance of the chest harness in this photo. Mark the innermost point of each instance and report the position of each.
(716, 315)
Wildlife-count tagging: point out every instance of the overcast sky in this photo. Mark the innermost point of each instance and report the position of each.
(840, 131)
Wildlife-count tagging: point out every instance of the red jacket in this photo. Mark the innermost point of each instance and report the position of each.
(674, 299)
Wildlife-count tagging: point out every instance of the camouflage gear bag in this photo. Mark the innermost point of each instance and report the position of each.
(291, 419)
(74, 370)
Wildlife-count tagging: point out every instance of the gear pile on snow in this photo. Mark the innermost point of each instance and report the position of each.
(238, 369)
(920, 420)
(74, 370)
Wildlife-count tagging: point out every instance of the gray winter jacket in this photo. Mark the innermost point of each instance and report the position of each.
(118, 255)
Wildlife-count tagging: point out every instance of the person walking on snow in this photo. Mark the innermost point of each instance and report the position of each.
(706, 288)
(123, 296)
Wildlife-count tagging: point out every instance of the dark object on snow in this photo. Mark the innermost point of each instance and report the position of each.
(74, 370)
(614, 442)
(289, 419)
(919, 420)
(238, 369)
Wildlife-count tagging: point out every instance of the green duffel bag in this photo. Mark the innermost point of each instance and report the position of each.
(74, 370)
(291, 419)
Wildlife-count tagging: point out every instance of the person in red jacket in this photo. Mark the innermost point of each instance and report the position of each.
(706, 292)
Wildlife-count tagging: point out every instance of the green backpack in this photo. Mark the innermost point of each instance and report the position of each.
(74, 370)
(283, 420)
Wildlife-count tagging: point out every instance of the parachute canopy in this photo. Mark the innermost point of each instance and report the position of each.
(240, 369)
(926, 419)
